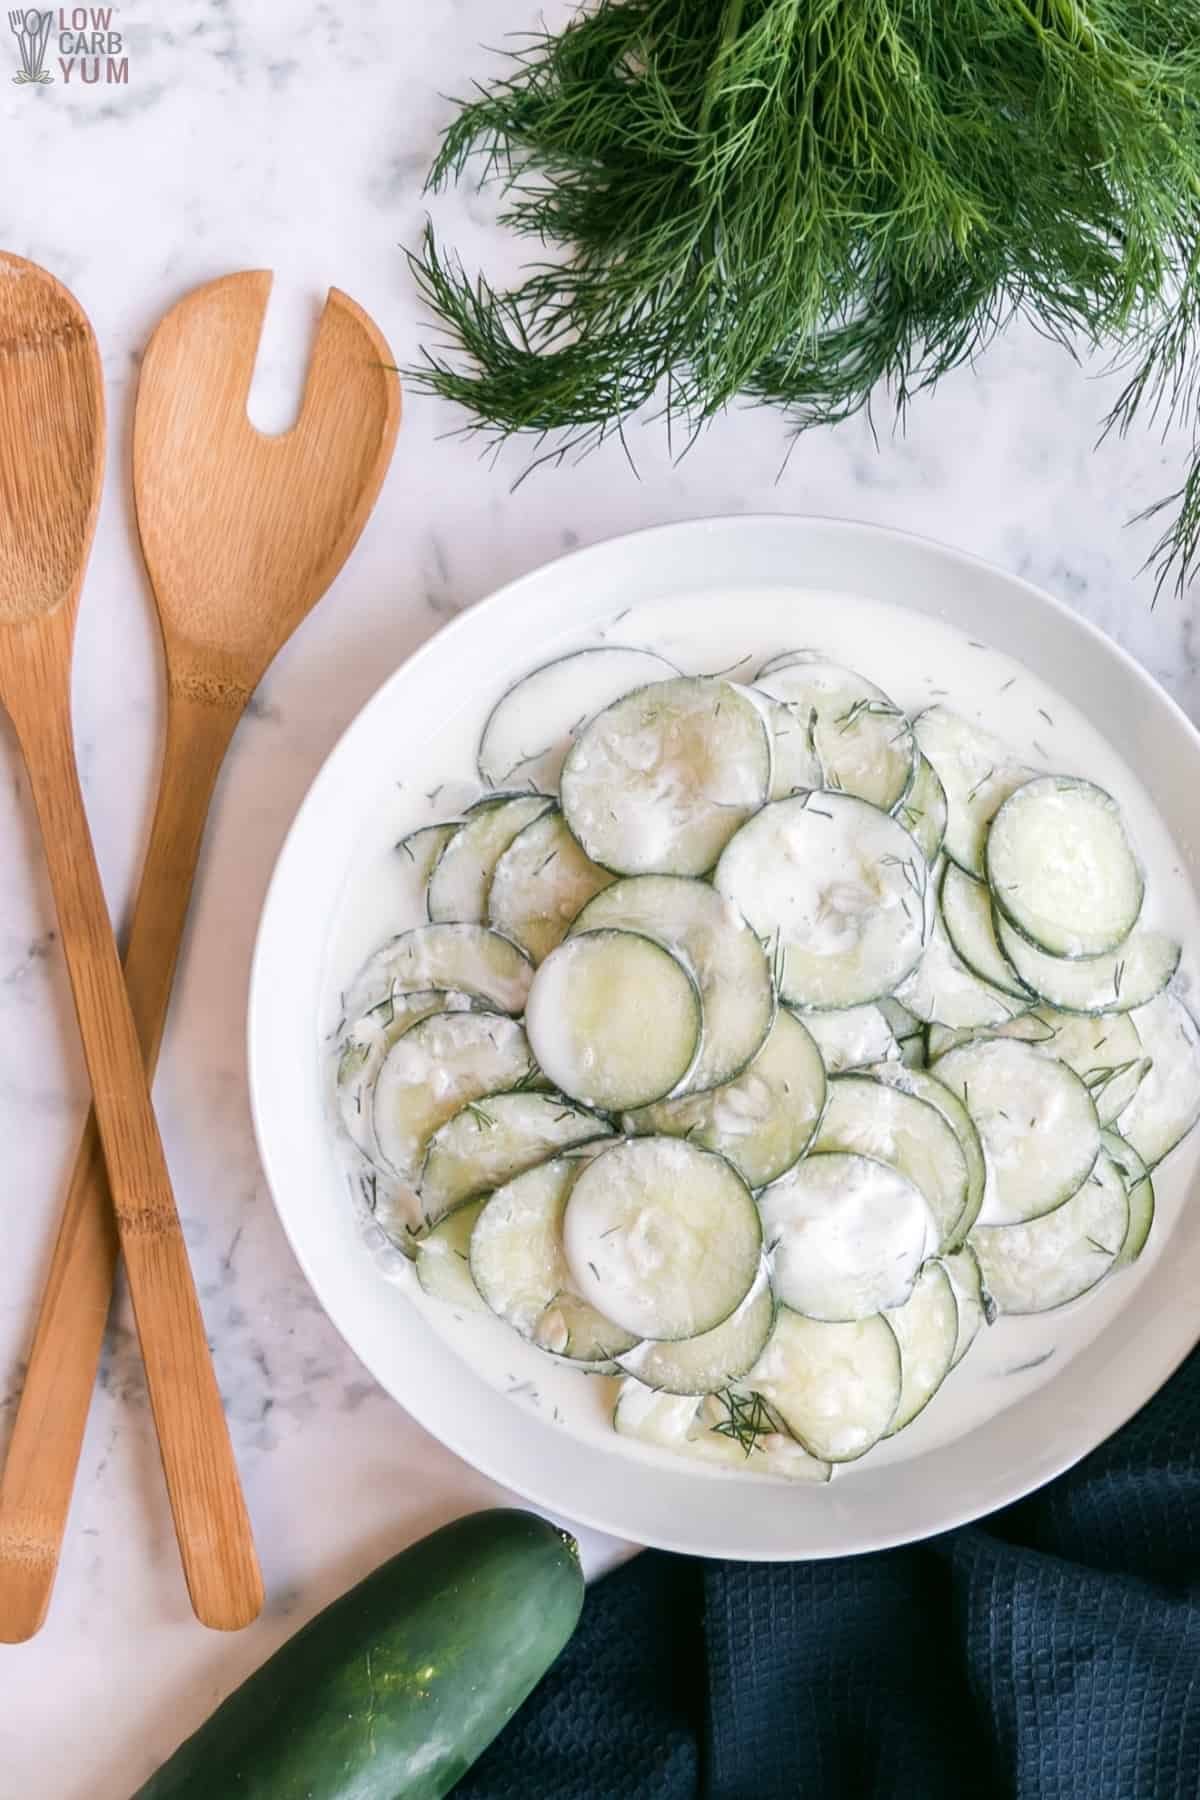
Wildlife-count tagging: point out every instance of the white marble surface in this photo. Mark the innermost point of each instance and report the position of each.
(295, 136)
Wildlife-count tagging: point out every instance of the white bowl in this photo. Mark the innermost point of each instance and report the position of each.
(1108, 1368)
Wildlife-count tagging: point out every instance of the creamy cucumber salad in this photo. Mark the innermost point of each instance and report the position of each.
(763, 1042)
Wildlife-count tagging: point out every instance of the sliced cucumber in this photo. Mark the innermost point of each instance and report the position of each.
(863, 740)
(1167, 1103)
(967, 915)
(923, 810)
(364, 1046)
(541, 883)
(1061, 868)
(706, 1364)
(942, 989)
(712, 1431)
(443, 1259)
(662, 1237)
(714, 942)
(974, 1305)
(1125, 979)
(1053, 1259)
(661, 780)
(852, 1038)
(489, 1141)
(467, 959)
(837, 888)
(846, 1236)
(926, 1328)
(835, 1387)
(926, 1087)
(532, 726)
(764, 1120)
(908, 1030)
(795, 765)
(614, 1019)
(1106, 1053)
(437, 1066)
(1139, 1191)
(519, 1267)
(977, 773)
(1037, 1121)
(889, 1123)
(462, 876)
(415, 858)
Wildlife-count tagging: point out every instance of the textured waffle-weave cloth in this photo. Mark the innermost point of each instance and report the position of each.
(1050, 1652)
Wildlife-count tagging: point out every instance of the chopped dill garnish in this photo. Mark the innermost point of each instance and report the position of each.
(746, 1420)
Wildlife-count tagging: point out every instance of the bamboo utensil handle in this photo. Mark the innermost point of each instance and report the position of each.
(206, 1500)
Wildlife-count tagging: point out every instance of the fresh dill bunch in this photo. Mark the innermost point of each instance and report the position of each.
(796, 201)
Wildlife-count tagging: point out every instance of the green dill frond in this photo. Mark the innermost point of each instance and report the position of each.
(804, 202)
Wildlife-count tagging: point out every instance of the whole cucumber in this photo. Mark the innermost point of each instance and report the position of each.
(393, 1691)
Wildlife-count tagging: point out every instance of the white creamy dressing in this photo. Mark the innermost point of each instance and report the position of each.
(918, 660)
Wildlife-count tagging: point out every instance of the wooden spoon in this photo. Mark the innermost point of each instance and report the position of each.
(51, 464)
(242, 534)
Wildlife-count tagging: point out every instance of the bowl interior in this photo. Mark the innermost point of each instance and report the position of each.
(1131, 1340)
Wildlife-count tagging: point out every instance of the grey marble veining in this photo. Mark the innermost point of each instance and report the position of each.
(296, 137)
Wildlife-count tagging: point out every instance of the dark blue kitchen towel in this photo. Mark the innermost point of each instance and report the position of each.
(1051, 1652)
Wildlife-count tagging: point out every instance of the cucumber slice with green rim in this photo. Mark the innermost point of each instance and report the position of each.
(977, 773)
(659, 782)
(967, 915)
(705, 1431)
(714, 942)
(908, 1031)
(492, 1140)
(1119, 982)
(662, 1237)
(764, 1120)
(1051, 1260)
(926, 1328)
(836, 887)
(846, 1236)
(467, 959)
(614, 1019)
(868, 1118)
(532, 726)
(434, 1068)
(1167, 1102)
(926, 1087)
(462, 876)
(1061, 868)
(923, 810)
(862, 739)
(852, 1038)
(974, 1304)
(541, 883)
(1139, 1191)
(443, 1259)
(520, 1269)
(364, 1046)
(1106, 1053)
(706, 1364)
(795, 765)
(416, 858)
(943, 990)
(1037, 1122)
(835, 1387)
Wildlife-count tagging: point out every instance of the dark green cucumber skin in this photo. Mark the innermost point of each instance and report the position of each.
(393, 1691)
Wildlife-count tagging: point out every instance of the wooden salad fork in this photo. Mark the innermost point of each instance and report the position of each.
(242, 534)
(51, 465)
